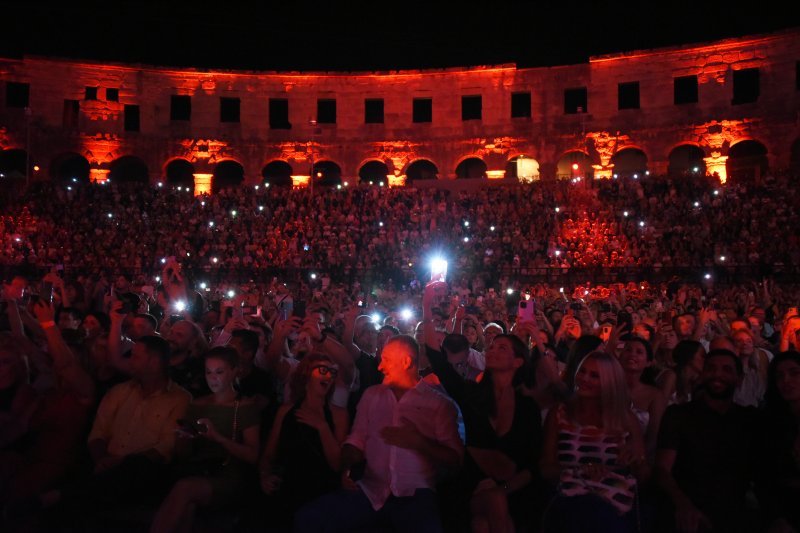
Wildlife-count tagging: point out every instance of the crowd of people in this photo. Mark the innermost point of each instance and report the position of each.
(143, 386)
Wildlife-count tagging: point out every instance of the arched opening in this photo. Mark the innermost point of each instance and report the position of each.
(12, 164)
(327, 174)
(70, 168)
(227, 174)
(629, 162)
(422, 169)
(180, 173)
(574, 164)
(686, 160)
(129, 169)
(747, 160)
(471, 168)
(794, 161)
(373, 171)
(524, 166)
(277, 174)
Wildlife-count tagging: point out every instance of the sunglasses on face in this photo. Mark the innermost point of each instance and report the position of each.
(325, 370)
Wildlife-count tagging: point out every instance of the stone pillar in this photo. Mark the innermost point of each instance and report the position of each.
(202, 183)
(495, 174)
(396, 181)
(715, 163)
(603, 171)
(300, 181)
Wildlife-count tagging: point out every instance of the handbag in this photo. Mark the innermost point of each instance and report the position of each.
(617, 489)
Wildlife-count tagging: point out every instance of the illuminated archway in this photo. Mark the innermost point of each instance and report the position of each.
(629, 162)
(70, 168)
(471, 168)
(12, 163)
(129, 169)
(327, 174)
(373, 171)
(180, 173)
(566, 169)
(747, 160)
(531, 164)
(227, 174)
(277, 174)
(686, 160)
(422, 169)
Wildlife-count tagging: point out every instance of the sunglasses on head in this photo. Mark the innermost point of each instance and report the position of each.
(325, 370)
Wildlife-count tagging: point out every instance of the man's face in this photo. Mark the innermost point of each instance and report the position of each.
(367, 338)
(180, 336)
(140, 360)
(686, 325)
(719, 376)
(140, 327)
(490, 333)
(394, 363)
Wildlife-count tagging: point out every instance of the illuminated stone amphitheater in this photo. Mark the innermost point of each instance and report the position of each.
(728, 107)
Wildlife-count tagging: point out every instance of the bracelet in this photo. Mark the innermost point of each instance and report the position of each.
(47, 324)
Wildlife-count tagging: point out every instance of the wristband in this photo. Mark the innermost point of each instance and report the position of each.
(47, 324)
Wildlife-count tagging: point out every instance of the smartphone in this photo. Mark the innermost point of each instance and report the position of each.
(299, 309)
(361, 304)
(438, 270)
(47, 291)
(193, 428)
(526, 310)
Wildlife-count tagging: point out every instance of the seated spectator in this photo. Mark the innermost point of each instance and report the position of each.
(218, 442)
(302, 458)
(779, 468)
(407, 434)
(593, 449)
(706, 452)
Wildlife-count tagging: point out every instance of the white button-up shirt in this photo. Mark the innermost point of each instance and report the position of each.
(399, 471)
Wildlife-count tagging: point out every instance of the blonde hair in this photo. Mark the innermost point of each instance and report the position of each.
(615, 402)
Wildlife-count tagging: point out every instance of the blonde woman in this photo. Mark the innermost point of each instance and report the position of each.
(593, 451)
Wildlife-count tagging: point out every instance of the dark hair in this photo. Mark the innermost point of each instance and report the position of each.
(634, 338)
(71, 311)
(721, 352)
(522, 374)
(224, 353)
(249, 339)
(775, 404)
(102, 318)
(150, 318)
(302, 373)
(684, 352)
(158, 347)
(455, 343)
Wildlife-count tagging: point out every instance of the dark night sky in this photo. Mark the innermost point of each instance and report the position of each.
(357, 35)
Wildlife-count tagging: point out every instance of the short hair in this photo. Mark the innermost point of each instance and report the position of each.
(629, 337)
(228, 354)
(150, 318)
(455, 343)
(102, 318)
(158, 347)
(721, 352)
(684, 351)
(249, 339)
(389, 327)
(409, 343)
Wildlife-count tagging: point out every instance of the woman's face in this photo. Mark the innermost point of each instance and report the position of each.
(787, 376)
(322, 378)
(587, 379)
(744, 342)
(92, 326)
(471, 334)
(219, 375)
(633, 357)
(500, 355)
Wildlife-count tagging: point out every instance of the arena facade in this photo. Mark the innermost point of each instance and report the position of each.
(728, 107)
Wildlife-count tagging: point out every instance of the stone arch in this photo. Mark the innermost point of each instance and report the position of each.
(228, 173)
(630, 161)
(129, 169)
(69, 168)
(794, 157)
(564, 168)
(422, 169)
(684, 159)
(277, 173)
(747, 160)
(13, 162)
(374, 171)
(512, 166)
(471, 168)
(180, 172)
(327, 174)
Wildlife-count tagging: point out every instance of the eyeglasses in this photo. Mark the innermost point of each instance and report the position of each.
(325, 370)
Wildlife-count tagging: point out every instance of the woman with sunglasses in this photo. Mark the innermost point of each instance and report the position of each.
(301, 460)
